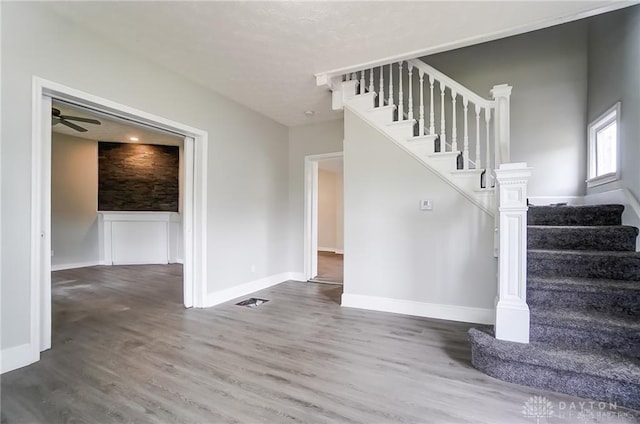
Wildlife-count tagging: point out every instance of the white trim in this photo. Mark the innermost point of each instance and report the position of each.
(231, 293)
(419, 309)
(17, 357)
(310, 244)
(74, 265)
(610, 116)
(195, 277)
(324, 78)
(297, 276)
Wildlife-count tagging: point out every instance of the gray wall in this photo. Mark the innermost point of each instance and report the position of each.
(548, 72)
(247, 163)
(74, 194)
(614, 75)
(393, 249)
(313, 139)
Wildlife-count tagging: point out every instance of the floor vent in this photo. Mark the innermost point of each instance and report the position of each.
(252, 302)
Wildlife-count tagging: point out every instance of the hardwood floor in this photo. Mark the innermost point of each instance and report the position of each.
(330, 267)
(125, 350)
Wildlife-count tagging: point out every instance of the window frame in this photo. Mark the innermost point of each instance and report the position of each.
(610, 116)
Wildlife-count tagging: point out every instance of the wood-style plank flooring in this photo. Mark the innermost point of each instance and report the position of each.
(125, 350)
(330, 267)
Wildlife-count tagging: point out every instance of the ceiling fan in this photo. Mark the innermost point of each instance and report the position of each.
(58, 118)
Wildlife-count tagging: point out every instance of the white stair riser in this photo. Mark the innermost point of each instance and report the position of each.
(468, 182)
(422, 148)
(382, 116)
(362, 103)
(443, 164)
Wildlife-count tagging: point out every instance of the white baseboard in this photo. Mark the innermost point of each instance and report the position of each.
(420, 309)
(60, 267)
(297, 276)
(245, 289)
(180, 261)
(17, 357)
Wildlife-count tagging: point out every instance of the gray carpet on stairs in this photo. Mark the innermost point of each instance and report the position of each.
(584, 296)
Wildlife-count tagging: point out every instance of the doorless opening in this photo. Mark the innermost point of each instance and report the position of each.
(311, 227)
(194, 200)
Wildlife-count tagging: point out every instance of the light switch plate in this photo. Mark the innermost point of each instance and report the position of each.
(426, 205)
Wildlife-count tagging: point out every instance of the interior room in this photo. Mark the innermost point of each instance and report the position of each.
(481, 230)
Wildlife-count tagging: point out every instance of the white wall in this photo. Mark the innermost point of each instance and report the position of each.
(74, 201)
(313, 139)
(614, 75)
(247, 164)
(396, 251)
(327, 210)
(548, 72)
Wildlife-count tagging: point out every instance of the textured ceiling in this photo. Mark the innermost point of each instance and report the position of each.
(111, 128)
(265, 54)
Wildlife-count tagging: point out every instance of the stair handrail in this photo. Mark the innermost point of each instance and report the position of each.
(452, 84)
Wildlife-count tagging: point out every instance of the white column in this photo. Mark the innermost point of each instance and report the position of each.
(502, 95)
(512, 312)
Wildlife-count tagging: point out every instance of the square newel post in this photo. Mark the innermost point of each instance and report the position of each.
(343, 92)
(512, 312)
(502, 96)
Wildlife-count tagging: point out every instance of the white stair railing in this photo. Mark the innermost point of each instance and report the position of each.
(493, 141)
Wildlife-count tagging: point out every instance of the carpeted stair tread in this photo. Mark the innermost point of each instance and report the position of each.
(584, 285)
(574, 237)
(616, 297)
(585, 320)
(584, 263)
(605, 365)
(575, 215)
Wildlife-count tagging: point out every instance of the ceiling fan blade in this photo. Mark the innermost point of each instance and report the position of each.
(72, 125)
(79, 119)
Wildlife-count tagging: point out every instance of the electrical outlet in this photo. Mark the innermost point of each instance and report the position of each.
(426, 205)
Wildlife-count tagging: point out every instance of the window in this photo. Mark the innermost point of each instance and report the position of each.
(604, 136)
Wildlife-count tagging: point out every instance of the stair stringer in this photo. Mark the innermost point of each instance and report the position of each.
(482, 200)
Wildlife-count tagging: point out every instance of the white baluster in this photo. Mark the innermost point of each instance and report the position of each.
(478, 164)
(454, 131)
(381, 93)
(410, 70)
(421, 120)
(400, 94)
(443, 137)
(391, 101)
(362, 82)
(371, 80)
(465, 152)
(432, 126)
(354, 76)
(488, 176)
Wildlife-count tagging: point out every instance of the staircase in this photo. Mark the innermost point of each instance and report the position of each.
(584, 298)
(454, 132)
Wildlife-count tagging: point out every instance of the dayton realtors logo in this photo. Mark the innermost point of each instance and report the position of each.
(537, 407)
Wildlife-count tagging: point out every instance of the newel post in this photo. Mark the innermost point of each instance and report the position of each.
(512, 312)
(502, 96)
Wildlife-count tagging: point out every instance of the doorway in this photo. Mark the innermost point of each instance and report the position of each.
(194, 199)
(324, 247)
